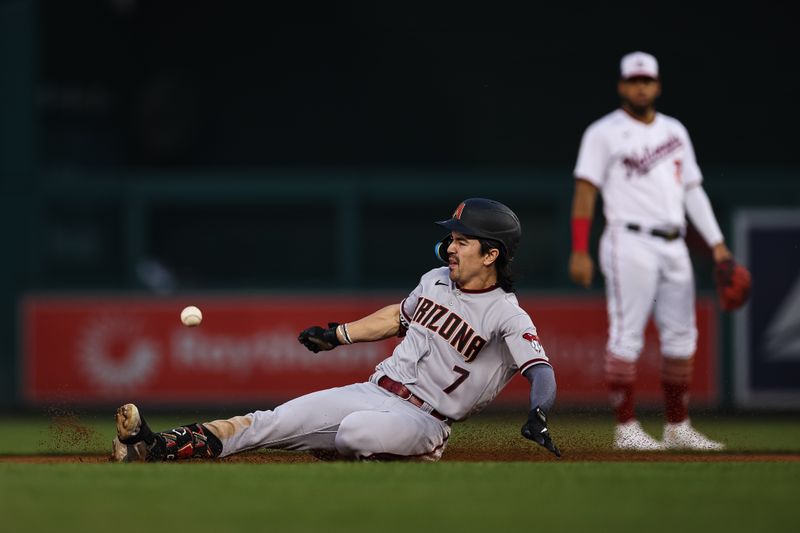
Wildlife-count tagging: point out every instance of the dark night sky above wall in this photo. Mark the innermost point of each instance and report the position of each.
(205, 84)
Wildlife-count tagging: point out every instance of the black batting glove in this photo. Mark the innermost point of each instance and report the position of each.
(535, 429)
(317, 338)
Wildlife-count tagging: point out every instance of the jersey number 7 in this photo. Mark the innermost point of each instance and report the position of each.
(459, 380)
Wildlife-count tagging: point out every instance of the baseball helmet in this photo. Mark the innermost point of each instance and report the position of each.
(485, 219)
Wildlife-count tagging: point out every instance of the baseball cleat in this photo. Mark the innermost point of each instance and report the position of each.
(129, 423)
(128, 453)
(631, 436)
(682, 436)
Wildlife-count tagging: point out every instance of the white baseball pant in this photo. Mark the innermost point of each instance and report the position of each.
(647, 274)
(357, 421)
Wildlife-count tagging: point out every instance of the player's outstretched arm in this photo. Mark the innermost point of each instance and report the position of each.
(317, 338)
(380, 325)
(543, 395)
(581, 266)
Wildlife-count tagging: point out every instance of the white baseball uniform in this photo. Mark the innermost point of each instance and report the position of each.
(460, 349)
(643, 172)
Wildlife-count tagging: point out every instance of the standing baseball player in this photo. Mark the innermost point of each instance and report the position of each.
(465, 337)
(644, 165)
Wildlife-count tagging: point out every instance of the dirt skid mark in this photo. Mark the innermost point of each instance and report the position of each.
(67, 432)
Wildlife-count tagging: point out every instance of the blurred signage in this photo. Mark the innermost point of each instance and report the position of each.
(114, 349)
(767, 330)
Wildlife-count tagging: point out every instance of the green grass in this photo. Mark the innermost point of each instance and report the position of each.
(528, 496)
(397, 497)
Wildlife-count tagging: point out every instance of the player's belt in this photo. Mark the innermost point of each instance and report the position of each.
(395, 387)
(667, 235)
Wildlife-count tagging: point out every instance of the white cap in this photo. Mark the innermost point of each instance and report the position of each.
(638, 64)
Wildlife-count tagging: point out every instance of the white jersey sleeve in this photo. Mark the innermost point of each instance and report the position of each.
(593, 157)
(691, 170)
(698, 207)
(519, 335)
(407, 307)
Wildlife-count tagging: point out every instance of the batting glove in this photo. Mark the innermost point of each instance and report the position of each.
(317, 338)
(535, 429)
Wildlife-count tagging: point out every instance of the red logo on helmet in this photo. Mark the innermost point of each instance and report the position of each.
(457, 212)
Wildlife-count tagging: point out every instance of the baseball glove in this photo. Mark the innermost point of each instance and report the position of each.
(733, 284)
(317, 338)
(535, 429)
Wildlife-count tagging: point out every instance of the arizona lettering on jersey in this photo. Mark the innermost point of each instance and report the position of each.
(461, 347)
(453, 328)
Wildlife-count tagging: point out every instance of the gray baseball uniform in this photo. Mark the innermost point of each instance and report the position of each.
(460, 349)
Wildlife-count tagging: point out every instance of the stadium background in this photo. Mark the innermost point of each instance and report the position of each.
(278, 163)
(185, 148)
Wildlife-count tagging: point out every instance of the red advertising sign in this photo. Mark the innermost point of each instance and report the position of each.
(574, 330)
(114, 349)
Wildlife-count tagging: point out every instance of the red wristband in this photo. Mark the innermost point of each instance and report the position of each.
(580, 234)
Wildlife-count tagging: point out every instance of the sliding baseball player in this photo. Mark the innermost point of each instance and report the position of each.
(464, 338)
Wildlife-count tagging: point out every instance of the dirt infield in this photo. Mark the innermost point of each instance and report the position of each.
(454, 456)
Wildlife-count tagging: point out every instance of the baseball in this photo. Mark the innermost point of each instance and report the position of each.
(191, 316)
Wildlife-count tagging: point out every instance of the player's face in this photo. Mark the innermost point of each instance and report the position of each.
(639, 93)
(468, 266)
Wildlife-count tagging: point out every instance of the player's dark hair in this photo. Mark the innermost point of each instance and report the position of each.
(505, 277)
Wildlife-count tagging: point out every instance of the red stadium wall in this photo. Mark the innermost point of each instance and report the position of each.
(92, 351)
